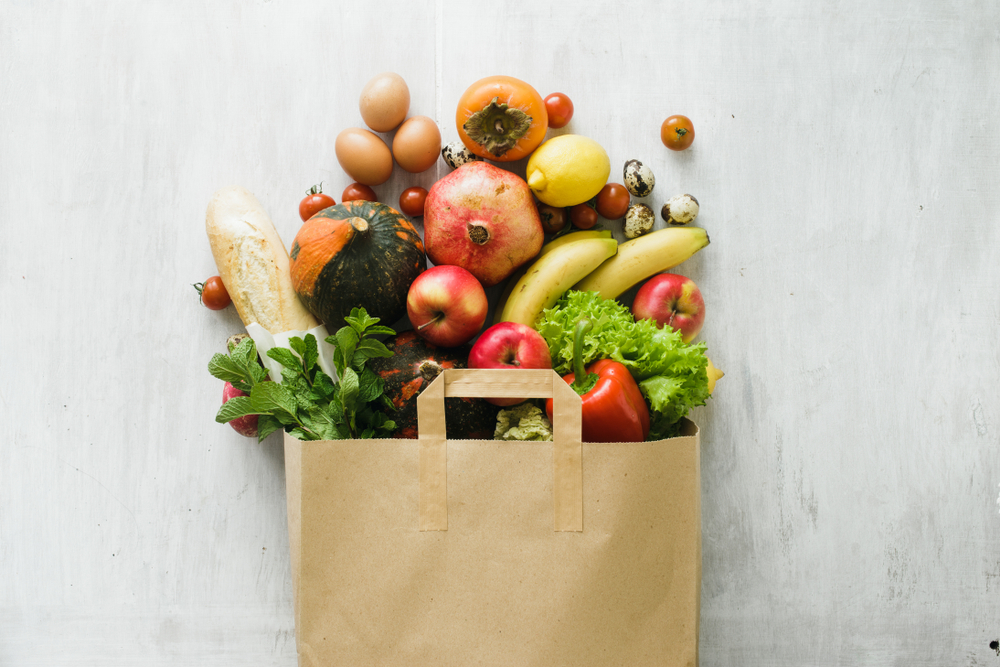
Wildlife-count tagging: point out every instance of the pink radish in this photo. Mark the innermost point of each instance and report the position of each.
(244, 425)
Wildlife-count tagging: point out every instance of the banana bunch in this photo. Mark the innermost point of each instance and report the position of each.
(560, 265)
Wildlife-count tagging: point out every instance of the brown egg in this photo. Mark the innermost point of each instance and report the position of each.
(364, 156)
(384, 102)
(417, 144)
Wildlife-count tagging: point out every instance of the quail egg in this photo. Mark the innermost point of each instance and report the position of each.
(638, 178)
(456, 154)
(680, 210)
(639, 220)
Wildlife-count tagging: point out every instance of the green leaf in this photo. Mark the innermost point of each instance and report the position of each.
(260, 374)
(234, 408)
(379, 330)
(336, 410)
(311, 354)
(225, 369)
(359, 320)
(286, 358)
(266, 425)
(349, 390)
(298, 345)
(370, 386)
(368, 348)
(302, 434)
(347, 342)
(324, 386)
(273, 398)
(245, 353)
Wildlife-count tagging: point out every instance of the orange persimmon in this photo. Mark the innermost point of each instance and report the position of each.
(501, 118)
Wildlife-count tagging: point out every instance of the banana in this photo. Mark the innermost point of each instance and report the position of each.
(547, 248)
(643, 257)
(552, 274)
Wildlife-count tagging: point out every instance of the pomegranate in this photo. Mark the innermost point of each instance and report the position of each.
(483, 219)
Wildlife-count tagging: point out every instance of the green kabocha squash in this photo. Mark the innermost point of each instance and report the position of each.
(413, 365)
(358, 254)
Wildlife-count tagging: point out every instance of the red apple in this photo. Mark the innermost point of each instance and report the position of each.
(673, 300)
(510, 345)
(243, 425)
(447, 305)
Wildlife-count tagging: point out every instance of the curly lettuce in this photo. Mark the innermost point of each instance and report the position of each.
(525, 421)
(672, 374)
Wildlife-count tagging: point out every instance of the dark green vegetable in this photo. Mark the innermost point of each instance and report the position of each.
(308, 403)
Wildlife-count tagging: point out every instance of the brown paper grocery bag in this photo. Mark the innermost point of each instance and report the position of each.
(472, 552)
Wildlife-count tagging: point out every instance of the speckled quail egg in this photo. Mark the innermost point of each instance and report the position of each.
(680, 210)
(639, 178)
(639, 220)
(456, 154)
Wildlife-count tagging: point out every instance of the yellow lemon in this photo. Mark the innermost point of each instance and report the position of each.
(568, 170)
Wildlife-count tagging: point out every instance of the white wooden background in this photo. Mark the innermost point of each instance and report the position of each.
(847, 161)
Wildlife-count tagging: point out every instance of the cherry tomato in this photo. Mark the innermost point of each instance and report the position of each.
(559, 108)
(213, 293)
(583, 216)
(553, 218)
(356, 191)
(613, 201)
(677, 133)
(411, 201)
(314, 202)
(501, 118)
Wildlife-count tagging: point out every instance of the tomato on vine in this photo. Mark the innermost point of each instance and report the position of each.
(560, 109)
(583, 216)
(213, 293)
(553, 218)
(677, 133)
(314, 202)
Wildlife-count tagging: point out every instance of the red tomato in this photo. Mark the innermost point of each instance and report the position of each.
(213, 293)
(411, 201)
(677, 133)
(583, 216)
(314, 202)
(559, 108)
(553, 218)
(613, 201)
(356, 191)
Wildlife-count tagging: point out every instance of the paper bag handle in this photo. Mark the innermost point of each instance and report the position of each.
(567, 458)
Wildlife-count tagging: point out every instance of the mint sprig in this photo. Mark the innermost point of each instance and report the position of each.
(308, 403)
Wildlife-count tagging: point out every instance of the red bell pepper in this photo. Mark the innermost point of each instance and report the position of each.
(614, 409)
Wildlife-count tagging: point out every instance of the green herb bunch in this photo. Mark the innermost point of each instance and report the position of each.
(308, 403)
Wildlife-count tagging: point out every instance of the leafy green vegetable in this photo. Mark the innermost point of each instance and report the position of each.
(308, 403)
(672, 375)
(524, 421)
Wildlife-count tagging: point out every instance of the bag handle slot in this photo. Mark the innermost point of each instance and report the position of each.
(567, 442)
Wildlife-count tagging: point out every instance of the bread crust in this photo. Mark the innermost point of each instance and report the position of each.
(253, 262)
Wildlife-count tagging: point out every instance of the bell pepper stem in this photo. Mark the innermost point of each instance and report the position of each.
(579, 374)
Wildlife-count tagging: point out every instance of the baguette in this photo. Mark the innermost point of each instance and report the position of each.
(253, 263)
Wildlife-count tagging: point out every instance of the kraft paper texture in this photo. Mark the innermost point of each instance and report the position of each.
(512, 577)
